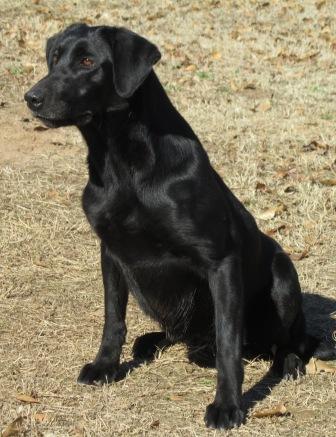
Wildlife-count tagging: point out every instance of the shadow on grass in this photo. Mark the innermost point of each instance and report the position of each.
(318, 310)
(128, 367)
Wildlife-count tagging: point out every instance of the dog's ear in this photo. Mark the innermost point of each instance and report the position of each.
(133, 59)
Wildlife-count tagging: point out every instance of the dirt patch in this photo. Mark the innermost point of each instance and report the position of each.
(256, 81)
(25, 139)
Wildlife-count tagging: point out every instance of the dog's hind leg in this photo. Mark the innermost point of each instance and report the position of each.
(202, 350)
(286, 319)
(147, 346)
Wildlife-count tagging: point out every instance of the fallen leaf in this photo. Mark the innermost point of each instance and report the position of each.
(43, 10)
(190, 67)
(77, 431)
(272, 231)
(235, 34)
(65, 8)
(317, 366)
(267, 214)
(40, 417)
(22, 42)
(309, 224)
(290, 189)
(156, 16)
(175, 397)
(270, 213)
(13, 428)
(326, 35)
(195, 8)
(216, 55)
(169, 47)
(155, 424)
(52, 194)
(293, 57)
(250, 86)
(39, 262)
(234, 86)
(263, 106)
(299, 256)
(277, 410)
(328, 182)
(262, 187)
(320, 4)
(315, 145)
(309, 55)
(282, 174)
(40, 128)
(26, 398)
(28, 68)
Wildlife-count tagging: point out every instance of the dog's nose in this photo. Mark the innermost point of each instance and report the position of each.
(34, 99)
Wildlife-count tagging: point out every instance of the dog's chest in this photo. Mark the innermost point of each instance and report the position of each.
(129, 226)
(163, 279)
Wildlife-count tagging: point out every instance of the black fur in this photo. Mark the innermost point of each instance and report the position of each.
(171, 231)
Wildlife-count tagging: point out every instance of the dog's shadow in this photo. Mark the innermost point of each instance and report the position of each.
(127, 367)
(317, 309)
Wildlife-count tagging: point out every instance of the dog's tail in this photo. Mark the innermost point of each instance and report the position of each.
(317, 348)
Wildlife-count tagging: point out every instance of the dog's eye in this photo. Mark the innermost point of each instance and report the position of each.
(55, 59)
(87, 62)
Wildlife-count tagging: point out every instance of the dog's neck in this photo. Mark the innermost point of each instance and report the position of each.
(122, 137)
(152, 107)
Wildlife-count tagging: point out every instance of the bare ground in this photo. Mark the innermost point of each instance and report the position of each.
(256, 80)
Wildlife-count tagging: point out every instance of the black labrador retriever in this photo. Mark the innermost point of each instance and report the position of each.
(171, 231)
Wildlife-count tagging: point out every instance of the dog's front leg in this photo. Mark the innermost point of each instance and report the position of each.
(226, 288)
(105, 366)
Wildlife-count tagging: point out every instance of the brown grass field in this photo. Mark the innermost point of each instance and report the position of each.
(257, 82)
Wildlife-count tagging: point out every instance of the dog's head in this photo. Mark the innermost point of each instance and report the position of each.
(91, 70)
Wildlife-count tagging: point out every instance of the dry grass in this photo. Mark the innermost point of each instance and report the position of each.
(257, 83)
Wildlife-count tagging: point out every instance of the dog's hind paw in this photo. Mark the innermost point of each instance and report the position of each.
(293, 367)
(97, 374)
(147, 346)
(220, 417)
(289, 366)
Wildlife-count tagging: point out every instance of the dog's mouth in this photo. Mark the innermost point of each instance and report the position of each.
(54, 122)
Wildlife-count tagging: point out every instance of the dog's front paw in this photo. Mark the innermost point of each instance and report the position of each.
(97, 373)
(220, 417)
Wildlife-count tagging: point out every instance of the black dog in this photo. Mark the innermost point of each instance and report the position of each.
(171, 231)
